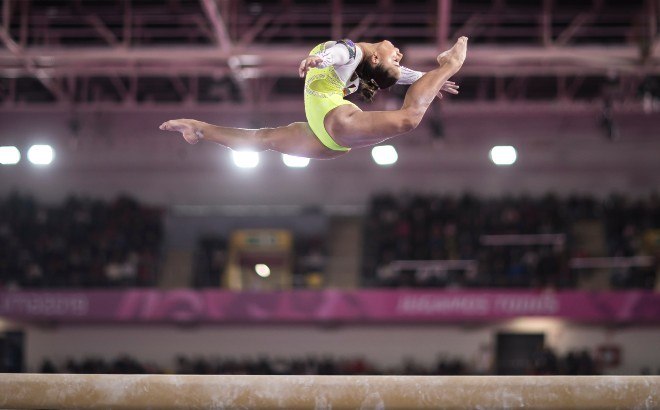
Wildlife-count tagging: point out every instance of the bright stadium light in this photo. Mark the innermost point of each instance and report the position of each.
(9, 155)
(245, 159)
(41, 154)
(503, 155)
(295, 162)
(262, 270)
(384, 155)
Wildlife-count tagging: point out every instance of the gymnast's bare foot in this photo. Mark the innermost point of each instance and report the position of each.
(455, 55)
(191, 129)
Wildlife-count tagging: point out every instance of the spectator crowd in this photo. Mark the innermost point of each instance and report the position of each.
(546, 362)
(78, 243)
(515, 242)
(505, 242)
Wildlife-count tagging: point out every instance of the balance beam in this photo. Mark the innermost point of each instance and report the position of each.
(59, 391)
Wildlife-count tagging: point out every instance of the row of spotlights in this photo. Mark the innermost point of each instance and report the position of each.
(37, 154)
(249, 159)
(382, 155)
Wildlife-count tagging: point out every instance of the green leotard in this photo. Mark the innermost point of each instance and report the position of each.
(323, 92)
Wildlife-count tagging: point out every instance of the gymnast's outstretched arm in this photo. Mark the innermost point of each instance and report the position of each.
(409, 76)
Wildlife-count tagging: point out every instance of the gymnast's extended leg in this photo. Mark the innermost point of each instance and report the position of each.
(354, 128)
(294, 139)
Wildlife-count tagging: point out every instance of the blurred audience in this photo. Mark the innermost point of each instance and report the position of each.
(545, 363)
(209, 262)
(506, 242)
(310, 259)
(503, 237)
(79, 243)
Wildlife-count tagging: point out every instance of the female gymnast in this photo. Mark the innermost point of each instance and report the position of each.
(334, 125)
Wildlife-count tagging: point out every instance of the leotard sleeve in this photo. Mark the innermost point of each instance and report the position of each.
(336, 55)
(408, 76)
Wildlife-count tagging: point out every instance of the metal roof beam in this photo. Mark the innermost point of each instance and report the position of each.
(102, 29)
(222, 38)
(30, 66)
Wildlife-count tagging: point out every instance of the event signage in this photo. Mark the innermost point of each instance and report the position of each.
(362, 306)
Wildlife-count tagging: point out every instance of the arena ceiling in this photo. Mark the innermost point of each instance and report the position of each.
(243, 55)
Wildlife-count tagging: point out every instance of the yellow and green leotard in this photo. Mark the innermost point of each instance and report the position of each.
(324, 91)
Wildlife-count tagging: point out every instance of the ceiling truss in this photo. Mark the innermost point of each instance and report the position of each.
(132, 54)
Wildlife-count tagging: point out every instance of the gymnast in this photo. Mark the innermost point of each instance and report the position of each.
(334, 125)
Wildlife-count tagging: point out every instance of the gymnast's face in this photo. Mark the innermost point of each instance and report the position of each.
(389, 58)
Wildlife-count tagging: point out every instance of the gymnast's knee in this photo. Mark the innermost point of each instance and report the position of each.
(409, 121)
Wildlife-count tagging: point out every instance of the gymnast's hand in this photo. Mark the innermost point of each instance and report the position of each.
(448, 87)
(309, 62)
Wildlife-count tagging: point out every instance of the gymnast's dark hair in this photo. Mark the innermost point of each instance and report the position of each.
(372, 79)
